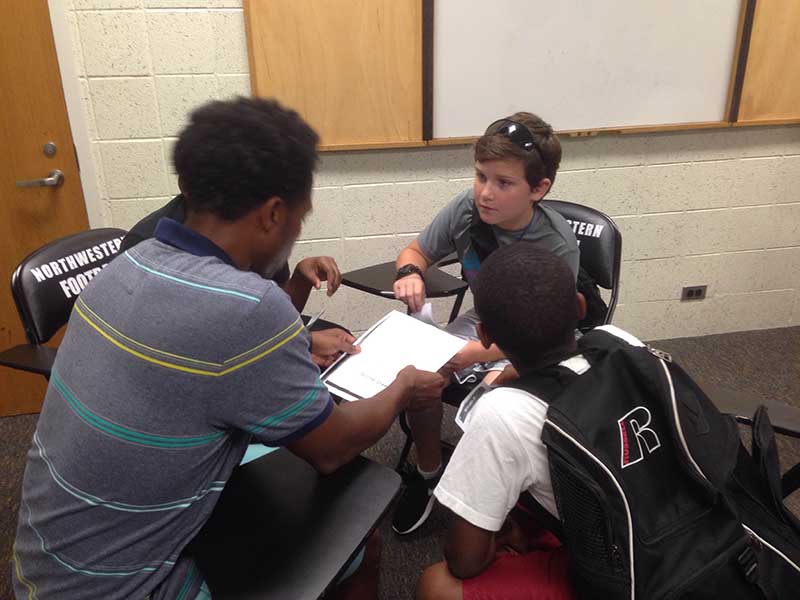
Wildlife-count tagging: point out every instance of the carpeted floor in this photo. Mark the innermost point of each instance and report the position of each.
(763, 363)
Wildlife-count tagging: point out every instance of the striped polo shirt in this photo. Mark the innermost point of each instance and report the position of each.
(173, 361)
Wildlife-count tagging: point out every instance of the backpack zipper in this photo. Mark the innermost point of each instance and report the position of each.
(679, 428)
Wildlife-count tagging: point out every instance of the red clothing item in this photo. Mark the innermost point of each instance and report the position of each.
(536, 575)
(542, 573)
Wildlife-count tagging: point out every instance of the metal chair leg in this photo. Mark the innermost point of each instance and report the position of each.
(457, 305)
(407, 446)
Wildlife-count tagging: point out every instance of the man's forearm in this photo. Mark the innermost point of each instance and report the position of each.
(298, 288)
(368, 421)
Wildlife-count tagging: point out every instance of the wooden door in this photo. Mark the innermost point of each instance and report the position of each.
(32, 113)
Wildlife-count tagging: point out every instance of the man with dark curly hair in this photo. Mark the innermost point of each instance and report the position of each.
(308, 273)
(176, 357)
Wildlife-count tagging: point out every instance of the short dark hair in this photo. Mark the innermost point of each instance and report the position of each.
(525, 298)
(235, 154)
(538, 165)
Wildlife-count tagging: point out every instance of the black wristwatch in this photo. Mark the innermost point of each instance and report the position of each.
(406, 270)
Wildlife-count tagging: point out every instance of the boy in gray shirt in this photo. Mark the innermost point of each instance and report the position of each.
(516, 161)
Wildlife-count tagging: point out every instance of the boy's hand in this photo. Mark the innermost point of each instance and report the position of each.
(328, 344)
(425, 388)
(317, 269)
(511, 538)
(411, 290)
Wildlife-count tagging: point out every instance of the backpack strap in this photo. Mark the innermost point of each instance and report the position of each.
(481, 235)
(548, 382)
(596, 307)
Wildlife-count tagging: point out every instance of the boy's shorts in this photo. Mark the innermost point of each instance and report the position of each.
(542, 573)
(536, 575)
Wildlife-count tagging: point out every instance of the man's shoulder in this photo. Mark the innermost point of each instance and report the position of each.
(211, 278)
(209, 308)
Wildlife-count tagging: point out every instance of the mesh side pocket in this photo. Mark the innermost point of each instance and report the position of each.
(585, 522)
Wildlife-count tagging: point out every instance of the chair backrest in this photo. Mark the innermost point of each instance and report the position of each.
(600, 242)
(47, 282)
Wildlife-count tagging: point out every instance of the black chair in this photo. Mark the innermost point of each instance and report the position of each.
(281, 531)
(600, 243)
(45, 285)
(784, 417)
(601, 257)
(378, 280)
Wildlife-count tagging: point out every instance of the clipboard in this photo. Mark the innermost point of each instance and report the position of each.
(394, 342)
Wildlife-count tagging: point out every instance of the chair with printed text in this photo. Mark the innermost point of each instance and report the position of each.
(45, 285)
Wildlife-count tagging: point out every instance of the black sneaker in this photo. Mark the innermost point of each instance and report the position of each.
(415, 503)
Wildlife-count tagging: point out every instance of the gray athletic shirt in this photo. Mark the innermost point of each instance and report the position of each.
(449, 231)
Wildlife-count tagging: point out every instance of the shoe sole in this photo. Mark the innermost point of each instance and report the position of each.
(422, 519)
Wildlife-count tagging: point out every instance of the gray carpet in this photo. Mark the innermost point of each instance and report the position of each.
(762, 363)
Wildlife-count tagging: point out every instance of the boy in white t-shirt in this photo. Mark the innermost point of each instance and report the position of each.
(528, 305)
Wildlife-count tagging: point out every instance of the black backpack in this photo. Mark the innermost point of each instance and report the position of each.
(657, 496)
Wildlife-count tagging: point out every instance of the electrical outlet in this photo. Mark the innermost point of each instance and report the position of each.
(694, 292)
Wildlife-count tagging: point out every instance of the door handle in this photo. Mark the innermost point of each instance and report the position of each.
(54, 179)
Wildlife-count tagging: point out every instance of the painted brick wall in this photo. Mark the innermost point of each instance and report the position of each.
(715, 207)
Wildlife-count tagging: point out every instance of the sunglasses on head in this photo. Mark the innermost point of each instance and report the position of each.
(518, 133)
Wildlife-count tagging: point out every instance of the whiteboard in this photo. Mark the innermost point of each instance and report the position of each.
(581, 64)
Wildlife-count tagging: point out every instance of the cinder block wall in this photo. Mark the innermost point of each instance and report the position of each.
(714, 207)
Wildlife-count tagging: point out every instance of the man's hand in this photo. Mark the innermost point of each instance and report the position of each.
(328, 344)
(411, 290)
(425, 388)
(317, 269)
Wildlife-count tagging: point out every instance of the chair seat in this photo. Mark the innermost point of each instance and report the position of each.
(785, 418)
(29, 357)
(379, 280)
(280, 530)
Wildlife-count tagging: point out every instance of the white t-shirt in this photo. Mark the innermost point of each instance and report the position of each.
(499, 456)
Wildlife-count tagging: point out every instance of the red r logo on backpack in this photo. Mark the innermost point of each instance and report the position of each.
(635, 424)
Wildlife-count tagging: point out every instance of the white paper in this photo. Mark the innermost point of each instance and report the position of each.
(425, 314)
(394, 342)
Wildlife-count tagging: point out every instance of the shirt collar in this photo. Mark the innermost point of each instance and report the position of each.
(179, 236)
